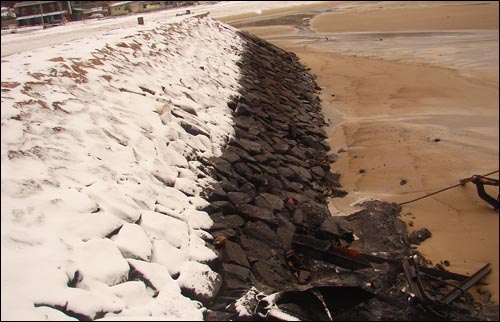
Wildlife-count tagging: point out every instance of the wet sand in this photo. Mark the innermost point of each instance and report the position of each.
(412, 96)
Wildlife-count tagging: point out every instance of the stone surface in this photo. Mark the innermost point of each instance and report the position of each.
(233, 253)
(418, 236)
(239, 198)
(256, 213)
(276, 177)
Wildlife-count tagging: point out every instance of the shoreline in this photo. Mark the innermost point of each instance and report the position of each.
(387, 151)
(465, 230)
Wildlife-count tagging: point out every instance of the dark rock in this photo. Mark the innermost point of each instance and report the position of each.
(281, 148)
(256, 213)
(285, 233)
(240, 272)
(242, 153)
(255, 168)
(244, 134)
(239, 198)
(233, 253)
(269, 170)
(244, 122)
(419, 236)
(293, 186)
(232, 105)
(318, 172)
(254, 130)
(274, 183)
(243, 169)
(229, 185)
(332, 158)
(265, 157)
(222, 221)
(302, 173)
(230, 156)
(273, 273)
(332, 179)
(266, 147)
(292, 132)
(224, 206)
(248, 188)
(362, 171)
(286, 172)
(249, 146)
(336, 227)
(225, 233)
(263, 232)
(403, 182)
(270, 201)
(241, 110)
(223, 167)
(296, 161)
(256, 249)
(310, 141)
(328, 229)
(314, 214)
(280, 125)
(299, 198)
(298, 152)
(217, 193)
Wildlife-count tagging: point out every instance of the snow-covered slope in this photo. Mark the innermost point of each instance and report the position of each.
(100, 183)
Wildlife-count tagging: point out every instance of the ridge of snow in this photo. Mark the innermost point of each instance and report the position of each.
(86, 152)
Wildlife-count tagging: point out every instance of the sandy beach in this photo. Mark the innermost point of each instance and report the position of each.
(411, 89)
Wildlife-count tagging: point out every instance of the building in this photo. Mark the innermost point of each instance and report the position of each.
(124, 8)
(89, 9)
(45, 13)
(154, 5)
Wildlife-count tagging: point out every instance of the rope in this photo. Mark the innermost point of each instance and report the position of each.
(444, 189)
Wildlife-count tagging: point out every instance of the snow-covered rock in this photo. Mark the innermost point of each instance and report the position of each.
(169, 256)
(199, 281)
(133, 242)
(159, 226)
(101, 260)
(104, 132)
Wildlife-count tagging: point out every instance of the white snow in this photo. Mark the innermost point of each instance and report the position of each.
(197, 277)
(101, 260)
(133, 242)
(169, 256)
(86, 152)
(246, 304)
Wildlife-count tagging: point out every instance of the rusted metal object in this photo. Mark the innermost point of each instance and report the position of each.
(323, 250)
(437, 303)
(466, 285)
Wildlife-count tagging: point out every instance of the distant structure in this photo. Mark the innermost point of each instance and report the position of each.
(83, 10)
(127, 7)
(45, 13)
(50, 13)
(8, 18)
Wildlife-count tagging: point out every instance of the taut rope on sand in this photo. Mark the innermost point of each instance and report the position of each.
(444, 189)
